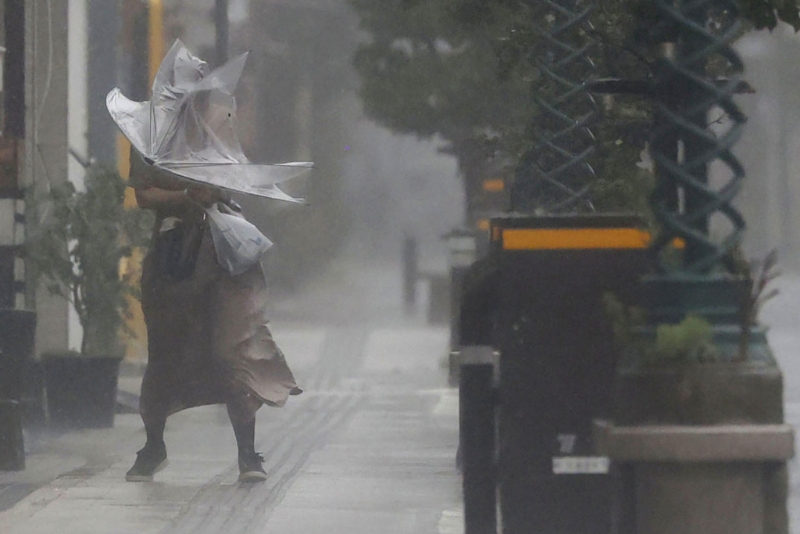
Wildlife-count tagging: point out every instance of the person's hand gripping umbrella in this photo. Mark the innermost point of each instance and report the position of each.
(187, 127)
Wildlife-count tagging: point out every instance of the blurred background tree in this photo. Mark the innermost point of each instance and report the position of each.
(464, 71)
(425, 72)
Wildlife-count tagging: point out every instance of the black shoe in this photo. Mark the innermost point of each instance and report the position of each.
(250, 469)
(149, 461)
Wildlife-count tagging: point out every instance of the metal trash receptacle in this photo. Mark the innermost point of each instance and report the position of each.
(557, 361)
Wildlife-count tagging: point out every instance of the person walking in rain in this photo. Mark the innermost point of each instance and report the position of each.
(208, 341)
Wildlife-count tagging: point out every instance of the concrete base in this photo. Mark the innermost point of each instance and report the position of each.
(700, 479)
(702, 498)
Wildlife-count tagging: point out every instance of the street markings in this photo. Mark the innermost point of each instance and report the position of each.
(452, 521)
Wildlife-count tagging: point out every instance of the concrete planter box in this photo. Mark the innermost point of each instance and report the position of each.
(701, 394)
(726, 479)
(700, 448)
(81, 390)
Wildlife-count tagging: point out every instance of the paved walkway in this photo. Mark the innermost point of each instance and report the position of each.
(370, 447)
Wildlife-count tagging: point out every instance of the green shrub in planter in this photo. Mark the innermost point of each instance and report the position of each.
(76, 243)
(700, 371)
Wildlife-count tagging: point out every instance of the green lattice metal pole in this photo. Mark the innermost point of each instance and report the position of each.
(555, 174)
(683, 201)
(700, 363)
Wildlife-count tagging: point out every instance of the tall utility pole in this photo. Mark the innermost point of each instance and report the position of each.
(221, 26)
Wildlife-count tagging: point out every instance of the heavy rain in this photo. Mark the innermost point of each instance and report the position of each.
(542, 276)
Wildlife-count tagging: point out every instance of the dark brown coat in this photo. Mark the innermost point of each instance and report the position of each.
(208, 340)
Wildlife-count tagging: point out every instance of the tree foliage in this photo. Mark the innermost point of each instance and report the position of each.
(424, 74)
(464, 70)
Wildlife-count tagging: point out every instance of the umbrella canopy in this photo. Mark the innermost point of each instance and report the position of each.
(187, 127)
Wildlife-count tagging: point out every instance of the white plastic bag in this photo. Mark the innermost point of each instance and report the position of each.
(239, 244)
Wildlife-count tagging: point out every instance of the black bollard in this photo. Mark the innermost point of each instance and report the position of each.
(477, 439)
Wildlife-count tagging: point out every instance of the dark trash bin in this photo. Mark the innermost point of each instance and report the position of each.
(557, 364)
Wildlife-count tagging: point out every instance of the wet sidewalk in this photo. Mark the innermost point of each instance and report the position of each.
(370, 447)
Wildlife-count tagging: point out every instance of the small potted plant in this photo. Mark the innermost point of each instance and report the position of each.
(76, 249)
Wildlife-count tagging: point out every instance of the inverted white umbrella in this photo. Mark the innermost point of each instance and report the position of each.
(187, 127)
